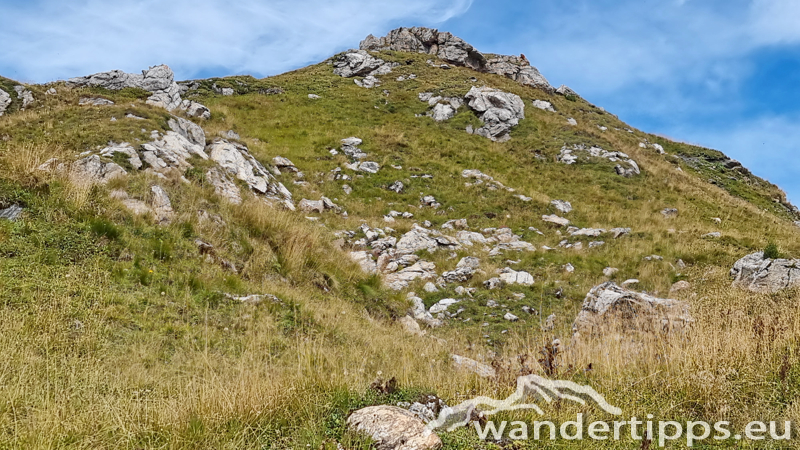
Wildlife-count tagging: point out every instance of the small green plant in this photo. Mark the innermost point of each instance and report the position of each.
(771, 251)
(104, 228)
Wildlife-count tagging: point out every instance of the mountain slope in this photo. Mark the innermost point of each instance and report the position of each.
(123, 332)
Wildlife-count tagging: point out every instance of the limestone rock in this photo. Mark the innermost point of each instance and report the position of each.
(498, 110)
(126, 149)
(423, 270)
(669, 212)
(393, 428)
(355, 63)
(284, 164)
(194, 109)
(171, 151)
(482, 370)
(610, 271)
(161, 206)
(25, 95)
(94, 101)
(626, 166)
(442, 112)
(442, 305)
(455, 51)
(609, 307)
(11, 213)
(5, 101)
(510, 276)
(191, 131)
(758, 274)
(678, 286)
(566, 91)
(427, 40)
(223, 185)
(617, 232)
(410, 325)
(562, 206)
(364, 259)
(238, 162)
(93, 170)
(543, 105)
(552, 218)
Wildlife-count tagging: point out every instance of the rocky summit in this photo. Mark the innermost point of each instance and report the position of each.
(340, 256)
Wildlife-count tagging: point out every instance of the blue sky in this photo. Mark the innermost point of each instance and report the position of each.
(718, 73)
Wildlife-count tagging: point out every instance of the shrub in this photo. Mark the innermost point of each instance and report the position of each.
(771, 251)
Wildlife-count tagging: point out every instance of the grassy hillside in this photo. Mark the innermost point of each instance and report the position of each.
(118, 333)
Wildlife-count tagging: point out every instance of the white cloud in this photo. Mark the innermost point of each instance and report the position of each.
(62, 39)
(768, 146)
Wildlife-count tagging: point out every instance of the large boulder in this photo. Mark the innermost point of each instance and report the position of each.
(498, 110)
(764, 275)
(612, 308)
(393, 428)
(359, 63)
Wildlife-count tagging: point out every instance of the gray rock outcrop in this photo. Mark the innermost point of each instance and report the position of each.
(612, 308)
(626, 166)
(393, 428)
(764, 275)
(5, 101)
(238, 162)
(188, 129)
(498, 110)
(25, 95)
(158, 80)
(456, 51)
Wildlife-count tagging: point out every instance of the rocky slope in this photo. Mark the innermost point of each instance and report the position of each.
(413, 209)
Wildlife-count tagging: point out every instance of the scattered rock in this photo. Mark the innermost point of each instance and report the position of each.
(430, 287)
(669, 212)
(126, 149)
(313, 96)
(610, 271)
(552, 218)
(284, 164)
(629, 282)
(93, 170)
(617, 232)
(397, 186)
(230, 134)
(608, 307)
(223, 185)
(562, 206)
(571, 156)
(94, 101)
(546, 106)
(572, 122)
(364, 260)
(423, 270)
(678, 286)
(411, 326)
(359, 63)
(569, 268)
(510, 317)
(482, 370)
(712, 235)
(393, 428)
(11, 213)
(566, 91)
(442, 305)
(511, 276)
